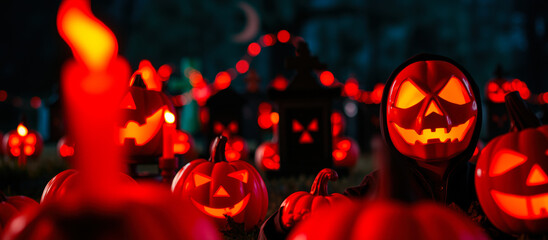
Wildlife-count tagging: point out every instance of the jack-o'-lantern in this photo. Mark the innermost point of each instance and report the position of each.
(496, 89)
(511, 177)
(345, 152)
(267, 156)
(236, 149)
(22, 143)
(144, 106)
(218, 188)
(183, 144)
(431, 109)
(299, 205)
(65, 148)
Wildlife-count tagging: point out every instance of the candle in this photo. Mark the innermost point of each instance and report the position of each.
(91, 84)
(169, 135)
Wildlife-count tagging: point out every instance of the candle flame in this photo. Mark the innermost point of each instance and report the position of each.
(22, 130)
(91, 42)
(169, 117)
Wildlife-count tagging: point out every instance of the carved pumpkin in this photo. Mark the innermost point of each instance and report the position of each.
(66, 182)
(134, 212)
(183, 144)
(65, 148)
(299, 205)
(22, 143)
(345, 152)
(431, 110)
(218, 188)
(511, 178)
(386, 220)
(267, 156)
(496, 89)
(11, 206)
(144, 108)
(236, 149)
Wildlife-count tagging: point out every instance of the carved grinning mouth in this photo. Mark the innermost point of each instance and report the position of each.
(142, 133)
(221, 212)
(522, 207)
(456, 133)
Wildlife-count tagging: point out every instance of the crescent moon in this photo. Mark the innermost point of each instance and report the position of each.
(252, 25)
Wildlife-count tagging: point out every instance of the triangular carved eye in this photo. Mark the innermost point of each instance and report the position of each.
(297, 127)
(127, 102)
(454, 92)
(504, 161)
(200, 179)
(241, 175)
(408, 95)
(313, 126)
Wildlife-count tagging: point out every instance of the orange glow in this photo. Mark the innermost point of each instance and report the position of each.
(376, 95)
(504, 161)
(14, 141)
(196, 79)
(222, 80)
(15, 152)
(267, 40)
(242, 66)
(28, 150)
(201, 94)
(144, 133)
(238, 145)
(200, 179)
(253, 49)
(344, 145)
(264, 121)
(128, 102)
(455, 92)
(351, 87)
(92, 43)
(22, 130)
(35, 102)
(221, 212)
(241, 175)
(280, 83)
(30, 139)
(327, 78)
(3, 95)
(537, 176)
(433, 108)
(283, 36)
(181, 144)
(522, 207)
(306, 138)
(275, 118)
(457, 133)
(66, 151)
(169, 117)
(408, 95)
(221, 192)
(339, 155)
(165, 71)
(232, 155)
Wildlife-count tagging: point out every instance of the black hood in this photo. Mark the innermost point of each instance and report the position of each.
(463, 156)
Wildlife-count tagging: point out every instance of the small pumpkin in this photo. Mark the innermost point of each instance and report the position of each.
(299, 205)
(217, 188)
(511, 174)
(267, 156)
(22, 143)
(67, 181)
(345, 152)
(12, 206)
(236, 149)
(65, 148)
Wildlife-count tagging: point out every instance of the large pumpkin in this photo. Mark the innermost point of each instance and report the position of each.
(431, 109)
(66, 182)
(133, 212)
(11, 206)
(144, 106)
(300, 205)
(386, 220)
(511, 177)
(218, 188)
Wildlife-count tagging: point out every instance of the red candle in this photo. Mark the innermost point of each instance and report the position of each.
(92, 83)
(169, 135)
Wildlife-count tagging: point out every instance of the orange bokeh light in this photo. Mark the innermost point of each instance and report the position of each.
(283, 36)
(242, 66)
(253, 49)
(351, 87)
(279, 83)
(22, 130)
(327, 78)
(274, 118)
(222, 80)
(267, 40)
(165, 71)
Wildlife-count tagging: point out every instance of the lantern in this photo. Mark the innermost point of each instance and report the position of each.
(218, 188)
(22, 143)
(305, 140)
(511, 174)
(299, 205)
(431, 109)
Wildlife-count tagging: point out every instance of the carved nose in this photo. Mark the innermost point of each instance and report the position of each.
(433, 108)
(221, 192)
(537, 176)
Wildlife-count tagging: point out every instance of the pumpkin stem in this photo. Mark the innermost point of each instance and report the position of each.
(3, 197)
(521, 117)
(218, 149)
(319, 186)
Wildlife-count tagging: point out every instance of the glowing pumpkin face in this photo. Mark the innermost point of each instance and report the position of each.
(496, 89)
(305, 131)
(512, 181)
(267, 156)
(431, 111)
(218, 188)
(144, 108)
(22, 143)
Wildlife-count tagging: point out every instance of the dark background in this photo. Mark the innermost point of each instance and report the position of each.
(366, 39)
